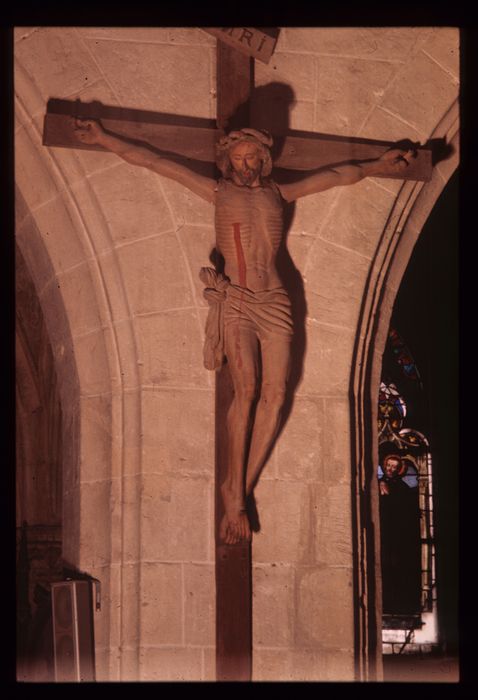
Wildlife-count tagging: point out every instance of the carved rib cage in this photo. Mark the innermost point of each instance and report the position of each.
(259, 215)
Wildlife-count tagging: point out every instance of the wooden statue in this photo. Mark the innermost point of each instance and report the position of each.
(250, 318)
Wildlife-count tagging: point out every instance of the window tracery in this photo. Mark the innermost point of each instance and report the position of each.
(406, 508)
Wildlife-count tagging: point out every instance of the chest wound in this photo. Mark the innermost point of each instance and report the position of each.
(241, 261)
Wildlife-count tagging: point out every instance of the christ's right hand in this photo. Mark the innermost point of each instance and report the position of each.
(88, 131)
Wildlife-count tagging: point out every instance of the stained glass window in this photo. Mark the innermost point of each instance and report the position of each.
(403, 355)
(406, 508)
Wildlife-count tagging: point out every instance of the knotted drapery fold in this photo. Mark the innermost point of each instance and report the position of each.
(265, 312)
(215, 294)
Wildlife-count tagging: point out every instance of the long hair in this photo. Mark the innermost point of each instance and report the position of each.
(260, 138)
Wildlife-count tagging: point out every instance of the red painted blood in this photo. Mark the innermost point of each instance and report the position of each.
(241, 261)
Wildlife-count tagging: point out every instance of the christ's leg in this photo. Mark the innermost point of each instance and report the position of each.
(242, 352)
(275, 352)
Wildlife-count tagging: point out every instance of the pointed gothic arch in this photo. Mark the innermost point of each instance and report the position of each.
(412, 207)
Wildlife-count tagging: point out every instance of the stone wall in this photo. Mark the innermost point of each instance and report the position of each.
(114, 253)
(38, 483)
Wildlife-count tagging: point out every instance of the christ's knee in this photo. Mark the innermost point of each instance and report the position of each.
(273, 395)
(245, 394)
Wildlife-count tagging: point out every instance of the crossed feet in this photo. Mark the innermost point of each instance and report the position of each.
(235, 525)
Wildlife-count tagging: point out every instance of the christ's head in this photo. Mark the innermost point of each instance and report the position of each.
(244, 156)
(246, 162)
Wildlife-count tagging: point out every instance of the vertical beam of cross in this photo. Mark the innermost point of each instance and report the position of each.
(233, 562)
(234, 84)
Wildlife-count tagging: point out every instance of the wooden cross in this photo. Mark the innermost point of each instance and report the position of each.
(195, 140)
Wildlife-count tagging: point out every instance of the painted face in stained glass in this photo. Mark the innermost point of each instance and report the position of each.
(392, 467)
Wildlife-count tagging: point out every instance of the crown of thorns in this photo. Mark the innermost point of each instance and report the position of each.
(261, 138)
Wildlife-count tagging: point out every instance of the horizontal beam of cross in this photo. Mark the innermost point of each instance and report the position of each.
(308, 151)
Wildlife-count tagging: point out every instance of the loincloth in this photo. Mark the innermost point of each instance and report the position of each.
(266, 312)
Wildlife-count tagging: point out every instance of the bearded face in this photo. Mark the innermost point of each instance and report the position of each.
(246, 163)
(392, 467)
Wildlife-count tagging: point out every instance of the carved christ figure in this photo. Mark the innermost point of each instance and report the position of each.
(250, 317)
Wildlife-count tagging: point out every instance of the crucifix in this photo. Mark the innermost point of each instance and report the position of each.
(250, 325)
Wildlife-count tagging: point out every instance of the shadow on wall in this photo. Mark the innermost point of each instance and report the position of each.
(270, 110)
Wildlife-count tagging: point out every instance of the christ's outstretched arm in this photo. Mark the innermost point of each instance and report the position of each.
(91, 132)
(392, 163)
